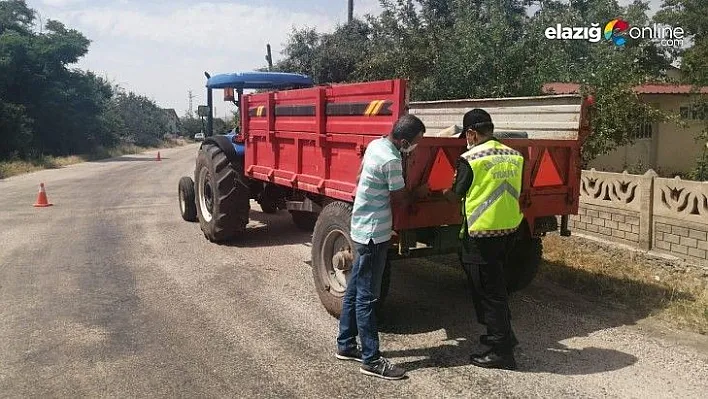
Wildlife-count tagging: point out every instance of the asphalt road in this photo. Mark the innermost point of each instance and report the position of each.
(110, 294)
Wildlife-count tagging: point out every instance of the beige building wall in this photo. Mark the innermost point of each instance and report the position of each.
(674, 73)
(677, 150)
(670, 150)
(636, 156)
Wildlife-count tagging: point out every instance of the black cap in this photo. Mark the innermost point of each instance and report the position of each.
(476, 119)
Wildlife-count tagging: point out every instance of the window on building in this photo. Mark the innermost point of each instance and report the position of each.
(694, 112)
(645, 131)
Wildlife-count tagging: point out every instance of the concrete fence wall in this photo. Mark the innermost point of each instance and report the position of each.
(648, 212)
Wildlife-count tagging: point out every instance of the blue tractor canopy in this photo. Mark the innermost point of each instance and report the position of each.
(259, 80)
(240, 81)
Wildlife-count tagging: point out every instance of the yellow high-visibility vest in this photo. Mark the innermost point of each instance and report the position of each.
(491, 206)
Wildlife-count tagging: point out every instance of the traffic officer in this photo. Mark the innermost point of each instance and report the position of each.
(487, 184)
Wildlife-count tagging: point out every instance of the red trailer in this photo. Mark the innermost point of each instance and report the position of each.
(302, 149)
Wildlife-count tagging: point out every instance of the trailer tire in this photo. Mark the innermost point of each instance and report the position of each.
(304, 220)
(223, 200)
(332, 231)
(523, 261)
(268, 199)
(187, 205)
(268, 206)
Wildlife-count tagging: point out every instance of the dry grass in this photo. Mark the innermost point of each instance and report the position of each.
(674, 293)
(18, 167)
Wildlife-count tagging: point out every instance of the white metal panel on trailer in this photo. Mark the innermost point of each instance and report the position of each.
(544, 117)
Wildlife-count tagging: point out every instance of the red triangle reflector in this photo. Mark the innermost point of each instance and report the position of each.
(442, 173)
(547, 173)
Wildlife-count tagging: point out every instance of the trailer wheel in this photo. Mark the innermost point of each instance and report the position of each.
(304, 220)
(268, 206)
(268, 200)
(187, 206)
(222, 195)
(523, 261)
(333, 256)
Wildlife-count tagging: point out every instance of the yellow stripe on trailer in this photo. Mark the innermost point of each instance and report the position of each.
(378, 107)
(370, 108)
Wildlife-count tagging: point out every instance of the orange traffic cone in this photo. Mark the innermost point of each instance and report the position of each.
(158, 156)
(42, 198)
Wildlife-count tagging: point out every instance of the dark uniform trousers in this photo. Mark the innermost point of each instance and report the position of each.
(483, 260)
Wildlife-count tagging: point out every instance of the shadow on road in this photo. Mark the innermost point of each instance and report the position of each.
(270, 230)
(128, 159)
(427, 296)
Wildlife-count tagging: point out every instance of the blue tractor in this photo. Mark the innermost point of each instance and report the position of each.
(219, 196)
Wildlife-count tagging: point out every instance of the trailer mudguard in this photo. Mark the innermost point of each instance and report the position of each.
(227, 147)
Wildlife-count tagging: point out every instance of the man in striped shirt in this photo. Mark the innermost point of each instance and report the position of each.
(380, 182)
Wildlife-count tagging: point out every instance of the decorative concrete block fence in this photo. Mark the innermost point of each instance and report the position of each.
(645, 211)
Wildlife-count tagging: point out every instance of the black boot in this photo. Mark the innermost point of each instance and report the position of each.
(484, 340)
(493, 360)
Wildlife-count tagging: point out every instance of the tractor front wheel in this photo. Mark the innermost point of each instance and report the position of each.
(187, 206)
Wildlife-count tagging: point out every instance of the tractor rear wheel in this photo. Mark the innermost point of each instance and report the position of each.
(222, 195)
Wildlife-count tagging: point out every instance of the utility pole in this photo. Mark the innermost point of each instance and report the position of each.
(191, 97)
(269, 57)
(41, 22)
(351, 11)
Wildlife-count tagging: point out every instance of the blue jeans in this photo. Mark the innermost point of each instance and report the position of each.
(363, 290)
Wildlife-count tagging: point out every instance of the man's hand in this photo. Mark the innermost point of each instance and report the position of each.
(407, 197)
(451, 196)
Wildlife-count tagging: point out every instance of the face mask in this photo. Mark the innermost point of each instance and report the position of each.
(409, 149)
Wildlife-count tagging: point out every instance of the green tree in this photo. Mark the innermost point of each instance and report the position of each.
(56, 110)
(327, 58)
(235, 121)
(192, 125)
(340, 52)
(143, 122)
(606, 71)
(49, 107)
(15, 130)
(16, 16)
(300, 52)
(692, 17)
(467, 48)
(483, 56)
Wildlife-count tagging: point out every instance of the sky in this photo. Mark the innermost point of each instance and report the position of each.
(161, 49)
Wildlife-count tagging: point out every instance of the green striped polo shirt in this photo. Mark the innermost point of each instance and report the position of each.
(382, 173)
